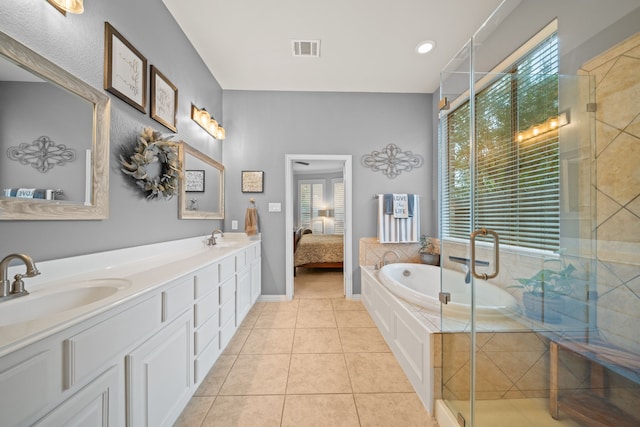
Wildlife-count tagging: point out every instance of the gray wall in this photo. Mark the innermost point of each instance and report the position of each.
(75, 43)
(264, 126)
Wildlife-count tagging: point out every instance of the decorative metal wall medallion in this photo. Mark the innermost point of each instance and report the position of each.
(392, 161)
(42, 154)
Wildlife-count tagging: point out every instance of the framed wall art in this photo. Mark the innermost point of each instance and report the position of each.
(252, 181)
(125, 69)
(164, 100)
(194, 181)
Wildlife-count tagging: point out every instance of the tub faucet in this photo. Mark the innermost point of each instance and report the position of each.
(17, 287)
(212, 240)
(383, 260)
(467, 266)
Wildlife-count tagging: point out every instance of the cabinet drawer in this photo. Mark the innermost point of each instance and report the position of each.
(227, 268)
(206, 280)
(205, 334)
(227, 289)
(205, 360)
(228, 311)
(226, 333)
(205, 308)
(87, 351)
(177, 299)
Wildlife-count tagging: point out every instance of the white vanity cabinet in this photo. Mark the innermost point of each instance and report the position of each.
(137, 363)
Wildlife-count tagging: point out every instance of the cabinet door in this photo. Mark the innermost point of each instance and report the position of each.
(256, 279)
(30, 381)
(243, 295)
(95, 405)
(159, 374)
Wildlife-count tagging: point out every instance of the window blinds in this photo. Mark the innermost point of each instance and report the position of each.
(516, 183)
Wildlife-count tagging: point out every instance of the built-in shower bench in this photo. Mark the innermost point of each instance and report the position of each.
(591, 407)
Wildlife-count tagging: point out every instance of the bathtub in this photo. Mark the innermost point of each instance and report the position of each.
(419, 284)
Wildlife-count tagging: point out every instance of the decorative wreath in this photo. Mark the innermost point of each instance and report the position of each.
(152, 148)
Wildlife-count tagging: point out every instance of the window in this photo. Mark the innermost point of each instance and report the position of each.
(516, 183)
(310, 199)
(338, 206)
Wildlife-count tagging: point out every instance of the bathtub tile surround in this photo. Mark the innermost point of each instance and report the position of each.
(337, 375)
(371, 251)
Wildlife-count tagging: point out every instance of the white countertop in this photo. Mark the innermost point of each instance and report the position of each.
(145, 267)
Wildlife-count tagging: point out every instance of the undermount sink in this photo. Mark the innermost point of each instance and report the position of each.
(42, 303)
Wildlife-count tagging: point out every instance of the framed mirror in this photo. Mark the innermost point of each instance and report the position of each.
(54, 140)
(202, 185)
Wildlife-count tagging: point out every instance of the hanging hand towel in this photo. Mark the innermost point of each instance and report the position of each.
(400, 206)
(251, 222)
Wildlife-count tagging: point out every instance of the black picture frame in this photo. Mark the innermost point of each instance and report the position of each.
(194, 181)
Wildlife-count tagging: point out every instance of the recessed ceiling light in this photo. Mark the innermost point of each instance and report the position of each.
(425, 46)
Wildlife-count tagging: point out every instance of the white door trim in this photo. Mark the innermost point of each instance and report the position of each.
(348, 227)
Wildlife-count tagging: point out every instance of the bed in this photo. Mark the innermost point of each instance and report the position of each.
(318, 250)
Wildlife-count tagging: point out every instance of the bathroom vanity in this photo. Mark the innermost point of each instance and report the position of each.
(128, 337)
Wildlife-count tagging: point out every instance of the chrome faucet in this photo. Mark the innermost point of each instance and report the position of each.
(383, 260)
(212, 240)
(16, 289)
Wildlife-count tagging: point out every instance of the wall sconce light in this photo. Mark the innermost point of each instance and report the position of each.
(71, 6)
(208, 123)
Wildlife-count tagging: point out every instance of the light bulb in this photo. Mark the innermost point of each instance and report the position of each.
(204, 118)
(213, 126)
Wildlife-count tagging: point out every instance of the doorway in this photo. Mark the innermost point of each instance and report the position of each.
(291, 222)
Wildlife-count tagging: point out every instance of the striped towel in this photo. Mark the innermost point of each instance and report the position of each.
(398, 230)
(30, 193)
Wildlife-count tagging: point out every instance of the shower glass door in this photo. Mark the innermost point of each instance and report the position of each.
(518, 190)
(456, 214)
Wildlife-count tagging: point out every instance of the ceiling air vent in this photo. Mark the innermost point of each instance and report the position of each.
(306, 48)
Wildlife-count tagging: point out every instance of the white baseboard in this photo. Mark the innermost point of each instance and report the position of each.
(272, 298)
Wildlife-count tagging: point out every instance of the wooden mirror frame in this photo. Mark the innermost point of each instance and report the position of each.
(183, 213)
(35, 209)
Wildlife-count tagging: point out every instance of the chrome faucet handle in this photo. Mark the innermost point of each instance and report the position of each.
(17, 287)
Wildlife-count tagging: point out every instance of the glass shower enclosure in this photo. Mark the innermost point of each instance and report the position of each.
(540, 286)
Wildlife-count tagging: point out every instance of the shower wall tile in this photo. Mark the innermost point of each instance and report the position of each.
(617, 92)
(617, 155)
(618, 173)
(629, 47)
